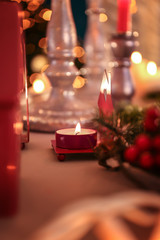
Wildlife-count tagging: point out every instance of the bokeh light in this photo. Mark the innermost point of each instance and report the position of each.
(26, 23)
(26, 14)
(34, 76)
(18, 127)
(136, 57)
(103, 17)
(38, 86)
(38, 62)
(152, 68)
(78, 51)
(45, 14)
(79, 82)
(42, 42)
(33, 5)
(133, 6)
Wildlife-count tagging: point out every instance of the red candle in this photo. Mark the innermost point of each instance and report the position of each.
(105, 99)
(124, 16)
(11, 72)
(70, 139)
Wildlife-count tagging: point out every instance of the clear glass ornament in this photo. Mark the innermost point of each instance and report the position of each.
(60, 106)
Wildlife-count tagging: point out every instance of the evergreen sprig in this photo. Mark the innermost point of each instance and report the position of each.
(117, 131)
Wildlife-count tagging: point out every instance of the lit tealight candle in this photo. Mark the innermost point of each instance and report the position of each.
(76, 138)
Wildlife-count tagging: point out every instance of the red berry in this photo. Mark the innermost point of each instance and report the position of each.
(146, 160)
(131, 154)
(157, 160)
(152, 113)
(143, 142)
(150, 125)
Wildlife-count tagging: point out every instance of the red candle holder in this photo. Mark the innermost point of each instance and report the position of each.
(71, 141)
(62, 152)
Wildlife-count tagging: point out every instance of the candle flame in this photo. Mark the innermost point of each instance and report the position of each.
(106, 83)
(77, 129)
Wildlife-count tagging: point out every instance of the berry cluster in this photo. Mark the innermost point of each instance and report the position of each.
(146, 149)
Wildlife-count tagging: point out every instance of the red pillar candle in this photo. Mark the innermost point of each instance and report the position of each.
(11, 76)
(70, 139)
(124, 16)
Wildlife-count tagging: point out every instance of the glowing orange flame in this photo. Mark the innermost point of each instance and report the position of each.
(77, 129)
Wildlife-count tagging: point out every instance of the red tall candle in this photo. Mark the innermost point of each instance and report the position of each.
(124, 16)
(11, 76)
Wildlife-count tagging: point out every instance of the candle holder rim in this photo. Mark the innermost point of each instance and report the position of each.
(124, 35)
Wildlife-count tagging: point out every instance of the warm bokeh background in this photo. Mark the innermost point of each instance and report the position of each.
(145, 20)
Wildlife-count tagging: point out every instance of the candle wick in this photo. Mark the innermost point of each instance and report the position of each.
(76, 133)
(105, 94)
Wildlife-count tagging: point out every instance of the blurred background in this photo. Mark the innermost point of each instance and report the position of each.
(145, 21)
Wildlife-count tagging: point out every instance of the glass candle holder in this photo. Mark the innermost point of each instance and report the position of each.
(61, 105)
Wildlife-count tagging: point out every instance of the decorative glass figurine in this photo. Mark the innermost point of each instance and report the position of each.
(60, 106)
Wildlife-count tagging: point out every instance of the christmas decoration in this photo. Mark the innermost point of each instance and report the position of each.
(134, 138)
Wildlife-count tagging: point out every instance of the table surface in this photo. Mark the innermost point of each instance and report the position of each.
(47, 186)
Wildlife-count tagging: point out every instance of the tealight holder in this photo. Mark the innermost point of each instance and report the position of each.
(122, 46)
(74, 141)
